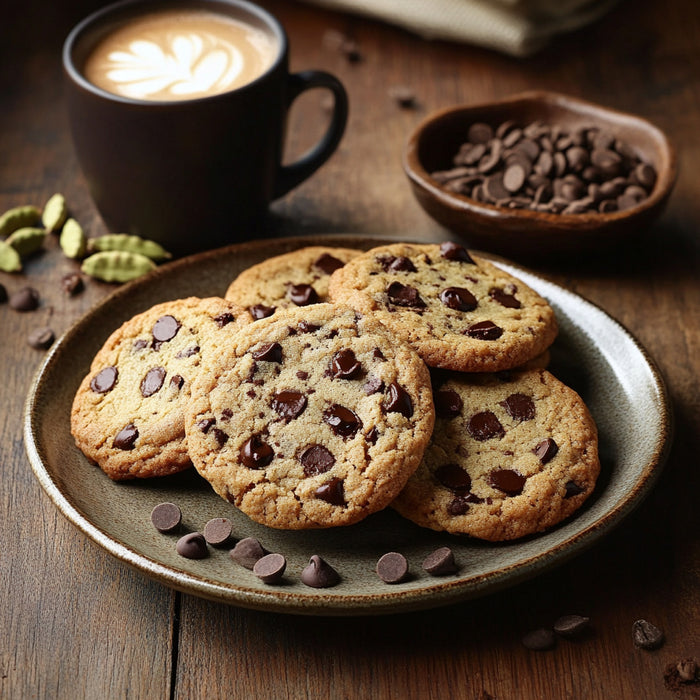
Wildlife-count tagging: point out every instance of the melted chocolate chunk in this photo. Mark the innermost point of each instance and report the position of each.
(269, 352)
(256, 453)
(504, 298)
(456, 252)
(224, 319)
(226, 414)
(519, 407)
(458, 298)
(448, 403)
(165, 329)
(453, 477)
(399, 401)
(126, 437)
(484, 330)
(372, 436)
(302, 294)
(343, 421)
(332, 492)
(306, 327)
(485, 426)
(404, 295)
(258, 311)
(205, 424)
(289, 404)
(458, 506)
(546, 450)
(572, 489)
(152, 381)
(328, 264)
(508, 481)
(220, 436)
(316, 459)
(396, 263)
(104, 380)
(344, 364)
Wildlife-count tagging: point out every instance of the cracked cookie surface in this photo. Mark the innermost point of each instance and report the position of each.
(313, 418)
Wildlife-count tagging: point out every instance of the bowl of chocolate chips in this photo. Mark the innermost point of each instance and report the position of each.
(540, 174)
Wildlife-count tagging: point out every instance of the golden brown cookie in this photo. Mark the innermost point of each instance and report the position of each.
(458, 311)
(313, 418)
(512, 454)
(128, 414)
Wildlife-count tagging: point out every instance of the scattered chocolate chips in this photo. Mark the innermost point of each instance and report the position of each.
(166, 517)
(392, 567)
(344, 364)
(485, 426)
(72, 283)
(332, 492)
(41, 338)
(458, 299)
(404, 295)
(268, 352)
(343, 421)
(453, 477)
(441, 562)
(546, 450)
(217, 531)
(302, 294)
(289, 404)
(455, 252)
(399, 400)
(270, 568)
(572, 626)
(192, 546)
(319, 574)
(448, 403)
(316, 459)
(165, 329)
(540, 639)
(484, 330)
(646, 635)
(25, 299)
(152, 381)
(259, 311)
(508, 481)
(328, 263)
(126, 437)
(256, 453)
(519, 407)
(104, 380)
(247, 551)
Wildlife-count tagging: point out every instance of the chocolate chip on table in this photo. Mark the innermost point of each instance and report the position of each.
(319, 574)
(647, 635)
(217, 531)
(25, 299)
(441, 562)
(540, 639)
(572, 626)
(72, 283)
(247, 551)
(41, 338)
(192, 546)
(166, 517)
(392, 567)
(270, 568)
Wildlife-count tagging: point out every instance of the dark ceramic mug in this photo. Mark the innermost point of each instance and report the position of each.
(194, 173)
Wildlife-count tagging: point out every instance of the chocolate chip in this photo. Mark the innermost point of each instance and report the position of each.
(152, 381)
(328, 264)
(508, 481)
(192, 546)
(687, 670)
(485, 426)
(453, 477)
(176, 381)
(458, 298)
(372, 435)
(319, 574)
(519, 407)
(399, 400)
(259, 311)
(514, 177)
(403, 96)
(541, 639)
(126, 437)
(247, 551)
(217, 531)
(220, 436)
(316, 459)
(459, 505)
(224, 319)
(448, 403)
(571, 489)
(441, 562)
(455, 252)
(256, 453)
(479, 132)
(72, 283)
(484, 330)
(405, 295)
(268, 352)
(396, 263)
(270, 568)
(392, 567)
(166, 517)
(104, 380)
(504, 298)
(332, 492)
(25, 299)
(165, 329)
(344, 364)
(572, 626)
(646, 635)
(206, 424)
(302, 294)
(41, 338)
(343, 421)
(289, 404)
(546, 450)
(187, 352)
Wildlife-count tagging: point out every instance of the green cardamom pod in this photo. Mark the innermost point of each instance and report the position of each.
(9, 258)
(117, 265)
(55, 213)
(129, 244)
(26, 240)
(73, 241)
(19, 217)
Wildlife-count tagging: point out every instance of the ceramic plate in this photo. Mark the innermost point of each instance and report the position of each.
(593, 354)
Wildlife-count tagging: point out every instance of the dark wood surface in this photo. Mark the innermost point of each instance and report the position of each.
(76, 623)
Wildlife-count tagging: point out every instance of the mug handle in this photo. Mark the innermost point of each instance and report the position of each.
(289, 176)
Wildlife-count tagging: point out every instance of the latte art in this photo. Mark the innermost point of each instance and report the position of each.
(178, 56)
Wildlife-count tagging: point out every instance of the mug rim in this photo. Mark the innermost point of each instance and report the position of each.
(100, 15)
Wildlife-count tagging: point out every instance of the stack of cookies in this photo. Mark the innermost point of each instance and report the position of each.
(332, 383)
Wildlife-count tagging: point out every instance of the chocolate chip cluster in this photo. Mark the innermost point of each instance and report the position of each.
(548, 168)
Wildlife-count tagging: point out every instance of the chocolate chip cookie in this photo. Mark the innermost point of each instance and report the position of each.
(313, 418)
(128, 414)
(512, 454)
(293, 279)
(457, 310)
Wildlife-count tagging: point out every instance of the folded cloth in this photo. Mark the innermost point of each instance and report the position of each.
(515, 27)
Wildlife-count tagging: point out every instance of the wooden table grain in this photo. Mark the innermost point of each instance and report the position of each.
(75, 623)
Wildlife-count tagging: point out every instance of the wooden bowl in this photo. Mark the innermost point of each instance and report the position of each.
(526, 233)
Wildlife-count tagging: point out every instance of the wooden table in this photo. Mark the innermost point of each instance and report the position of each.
(77, 623)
